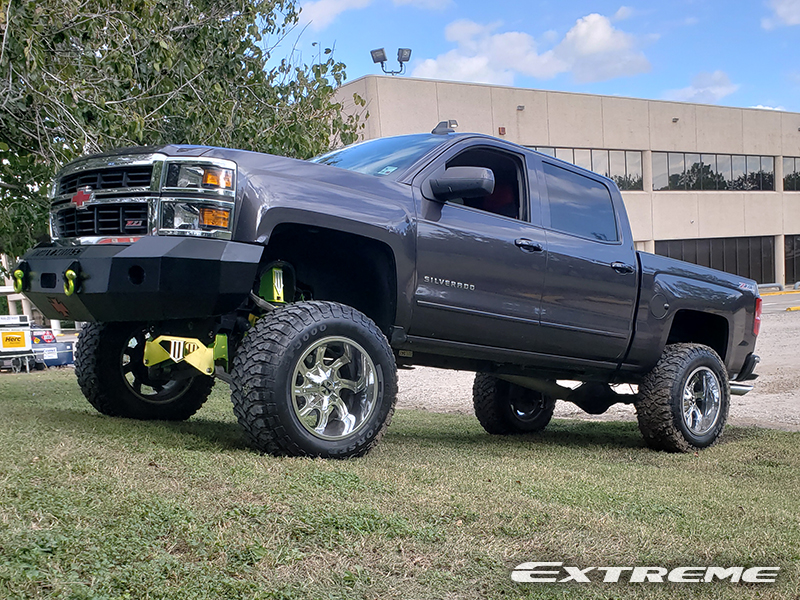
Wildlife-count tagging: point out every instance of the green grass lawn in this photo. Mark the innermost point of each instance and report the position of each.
(95, 507)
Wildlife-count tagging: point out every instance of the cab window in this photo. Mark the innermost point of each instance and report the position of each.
(579, 205)
(507, 198)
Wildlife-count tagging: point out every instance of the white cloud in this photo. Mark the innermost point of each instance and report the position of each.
(598, 51)
(425, 4)
(706, 88)
(455, 66)
(593, 50)
(624, 12)
(785, 12)
(550, 36)
(483, 56)
(321, 13)
(762, 107)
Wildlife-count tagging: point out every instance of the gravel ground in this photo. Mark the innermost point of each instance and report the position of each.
(774, 403)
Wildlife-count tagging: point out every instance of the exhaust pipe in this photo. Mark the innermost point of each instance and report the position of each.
(739, 389)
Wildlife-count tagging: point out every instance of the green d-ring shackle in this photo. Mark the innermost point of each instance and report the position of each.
(69, 281)
(19, 280)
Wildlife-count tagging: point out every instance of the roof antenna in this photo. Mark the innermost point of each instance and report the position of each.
(445, 127)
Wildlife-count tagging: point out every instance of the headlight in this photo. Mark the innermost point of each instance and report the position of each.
(198, 198)
(194, 216)
(198, 176)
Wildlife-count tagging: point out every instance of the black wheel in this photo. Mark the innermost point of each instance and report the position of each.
(504, 408)
(112, 375)
(683, 402)
(314, 379)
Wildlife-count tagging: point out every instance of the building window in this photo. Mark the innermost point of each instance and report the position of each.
(622, 166)
(791, 174)
(689, 171)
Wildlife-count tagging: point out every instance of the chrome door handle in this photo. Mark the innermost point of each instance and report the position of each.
(528, 245)
(621, 267)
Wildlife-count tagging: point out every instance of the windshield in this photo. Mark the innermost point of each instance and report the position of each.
(383, 156)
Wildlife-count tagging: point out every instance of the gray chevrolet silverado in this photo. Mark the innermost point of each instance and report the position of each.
(306, 284)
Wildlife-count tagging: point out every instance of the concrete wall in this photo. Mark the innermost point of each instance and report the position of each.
(399, 105)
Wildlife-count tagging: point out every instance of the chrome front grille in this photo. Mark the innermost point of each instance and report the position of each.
(107, 198)
(127, 219)
(116, 178)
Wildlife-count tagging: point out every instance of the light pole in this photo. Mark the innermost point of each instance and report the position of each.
(403, 56)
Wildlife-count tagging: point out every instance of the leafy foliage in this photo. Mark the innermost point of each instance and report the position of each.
(791, 182)
(628, 182)
(82, 77)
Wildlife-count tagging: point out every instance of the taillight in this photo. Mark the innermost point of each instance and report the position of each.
(757, 321)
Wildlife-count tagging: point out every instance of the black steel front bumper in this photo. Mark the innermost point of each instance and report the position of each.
(156, 278)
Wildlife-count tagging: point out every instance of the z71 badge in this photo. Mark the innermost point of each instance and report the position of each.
(449, 283)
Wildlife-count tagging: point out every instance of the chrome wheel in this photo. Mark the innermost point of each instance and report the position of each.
(702, 399)
(334, 388)
(137, 376)
(528, 408)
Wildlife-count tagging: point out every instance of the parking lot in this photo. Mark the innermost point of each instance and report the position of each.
(773, 403)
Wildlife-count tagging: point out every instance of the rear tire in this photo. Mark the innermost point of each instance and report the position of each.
(112, 376)
(314, 379)
(504, 408)
(683, 402)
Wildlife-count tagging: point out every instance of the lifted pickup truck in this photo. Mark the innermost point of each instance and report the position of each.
(305, 284)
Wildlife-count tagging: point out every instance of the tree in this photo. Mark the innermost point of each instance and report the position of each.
(791, 181)
(79, 77)
(628, 182)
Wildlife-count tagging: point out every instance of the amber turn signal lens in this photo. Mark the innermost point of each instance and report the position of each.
(215, 217)
(219, 178)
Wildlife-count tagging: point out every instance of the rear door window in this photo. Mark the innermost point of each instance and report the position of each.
(579, 205)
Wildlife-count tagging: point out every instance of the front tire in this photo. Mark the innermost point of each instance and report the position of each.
(504, 408)
(683, 402)
(314, 379)
(113, 378)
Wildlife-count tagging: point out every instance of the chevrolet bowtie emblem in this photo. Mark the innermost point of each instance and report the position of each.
(82, 196)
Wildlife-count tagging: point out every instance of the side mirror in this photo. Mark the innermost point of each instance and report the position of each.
(463, 182)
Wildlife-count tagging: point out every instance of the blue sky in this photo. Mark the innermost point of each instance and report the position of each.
(734, 53)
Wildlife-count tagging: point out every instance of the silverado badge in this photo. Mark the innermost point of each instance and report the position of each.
(449, 283)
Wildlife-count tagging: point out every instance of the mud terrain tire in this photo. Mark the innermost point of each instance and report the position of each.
(314, 379)
(504, 408)
(113, 378)
(683, 402)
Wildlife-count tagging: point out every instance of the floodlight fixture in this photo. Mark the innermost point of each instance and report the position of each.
(378, 56)
(403, 56)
